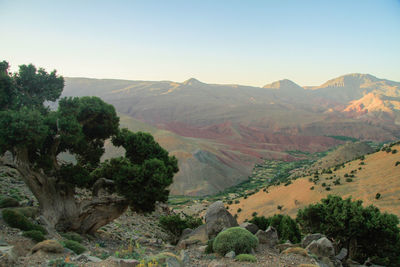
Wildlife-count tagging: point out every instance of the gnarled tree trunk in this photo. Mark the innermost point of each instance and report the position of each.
(60, 209)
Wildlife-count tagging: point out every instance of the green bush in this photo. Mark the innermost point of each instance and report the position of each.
(35, 235)
(17, 220)
(378, 196)
(364, 230)
(235, 239)
(397, 163)
(8, 202)
(74, 246)
(175, 224)
(29, 212)
(246, 257)
(72, 236)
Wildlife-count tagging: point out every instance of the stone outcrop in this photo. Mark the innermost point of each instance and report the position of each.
(217, 218)
(251, 227)
(269, 236)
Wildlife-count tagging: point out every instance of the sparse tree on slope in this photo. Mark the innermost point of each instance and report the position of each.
(36, 136)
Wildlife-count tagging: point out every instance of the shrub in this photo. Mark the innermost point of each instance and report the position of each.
(261, 222)
(72, 236)
(17, 220)
(312, 188)
(375, 234)
(246, 257)
(394, 151)
(323, 184)
(235, 239)
(397, 163)
(378, 196)
(349, 180)
(239, 210)
(328, 188)
(74, 246)
(254, 214)
(8, 202)
(175, 224)
(237, 201)
(35, 235)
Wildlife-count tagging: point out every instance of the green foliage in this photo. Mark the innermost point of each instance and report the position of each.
(246, 258)
(287, 227)
(378, 196)
(235, 239)
(376, 235)
(74, 246)
(175, 224)
(35, 235)
(17, 220)
(397, 163)
(343, 138)
(72, 236)
(8, 202)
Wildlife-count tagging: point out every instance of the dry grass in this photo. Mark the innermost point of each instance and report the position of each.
(296, 250)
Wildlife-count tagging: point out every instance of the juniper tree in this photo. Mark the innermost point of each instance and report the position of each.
(36, 135)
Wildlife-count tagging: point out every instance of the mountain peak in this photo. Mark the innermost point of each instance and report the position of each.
(192, 81)
(350, 80)
(283, 84)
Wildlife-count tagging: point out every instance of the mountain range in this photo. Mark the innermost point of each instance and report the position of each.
(218, 132)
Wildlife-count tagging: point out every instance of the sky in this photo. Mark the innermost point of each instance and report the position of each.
(215, 41)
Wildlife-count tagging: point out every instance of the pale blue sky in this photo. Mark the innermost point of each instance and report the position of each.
(215, 41)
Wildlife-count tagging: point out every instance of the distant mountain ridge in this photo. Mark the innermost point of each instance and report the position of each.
(233, 126)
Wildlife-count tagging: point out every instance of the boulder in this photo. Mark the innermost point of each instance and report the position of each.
(310, 238)
(251, 227)
(342, 254)
(269, 236)
(217, 218)
(230, 255)
(51, 246)
(197, 236)
(322, 247)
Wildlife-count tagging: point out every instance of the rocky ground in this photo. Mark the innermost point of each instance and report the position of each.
(133, 239)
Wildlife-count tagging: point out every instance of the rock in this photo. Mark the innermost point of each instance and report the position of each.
(185, 258)
(123, 262)
(86, 258)
(173, 262)
(230, 255)
(51, 246)
(216, 263)
(186, 232)
(202, 249)
(309, 238)
(198, 235)
(218, 218)
(322, 247)
(251, 227)
(342, 254)
(8, 251)
(269, 236)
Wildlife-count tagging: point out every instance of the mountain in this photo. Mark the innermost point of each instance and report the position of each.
(223, 130)
(376, 173)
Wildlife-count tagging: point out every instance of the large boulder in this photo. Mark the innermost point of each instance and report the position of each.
(197, 236)
(218, 218)
(269, 236)
(322, 247)
(251, 227)
(310, 238)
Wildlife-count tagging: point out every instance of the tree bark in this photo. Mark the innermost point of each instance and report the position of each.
(59, 208)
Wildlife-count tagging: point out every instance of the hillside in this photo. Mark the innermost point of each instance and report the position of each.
(223, 130)
(377, 173)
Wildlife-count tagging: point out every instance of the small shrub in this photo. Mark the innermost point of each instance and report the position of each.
(230, 202)
(362, 163)
(279, 207)
(17, 220)
(254, 214)
(296, 250)
(74, 246)
(336, 182)
(346, 175)
(237, 201)
(60, 263)
(394, 151)
(8, 202)
(72, 236)
(323, 184)
(235, 239)
(397, 163)
(246, 257)
(327, 188)
(312, 188)
(378, 196)
(35, 235)
(349, 180)
(239, 210)
(174, 224)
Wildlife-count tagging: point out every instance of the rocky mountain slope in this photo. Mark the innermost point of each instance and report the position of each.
(222, 130)
(374, 179)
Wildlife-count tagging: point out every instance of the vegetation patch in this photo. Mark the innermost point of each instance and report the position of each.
(235, 239)
(35, 235)
(246, 257)
(74, 246)
(17, 220)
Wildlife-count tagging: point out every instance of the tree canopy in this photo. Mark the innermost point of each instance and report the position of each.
(36, 135)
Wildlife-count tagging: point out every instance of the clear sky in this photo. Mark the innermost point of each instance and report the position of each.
(246, 42)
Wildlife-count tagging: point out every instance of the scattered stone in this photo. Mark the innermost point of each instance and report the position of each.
(51, 246)
(269, 236)
(342, 254)
(198, 235)
(216, 263)
(251, 227)
(218, 218)
(309, 238)
(230, 255)
(322, 247)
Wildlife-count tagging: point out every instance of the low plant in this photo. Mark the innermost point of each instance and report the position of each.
(61, 262)
(17, 220)
(235, 239)
(73, 236)
(175, 224)
(74, 246)
(35, 235)
(246, 257)
(8, 202)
